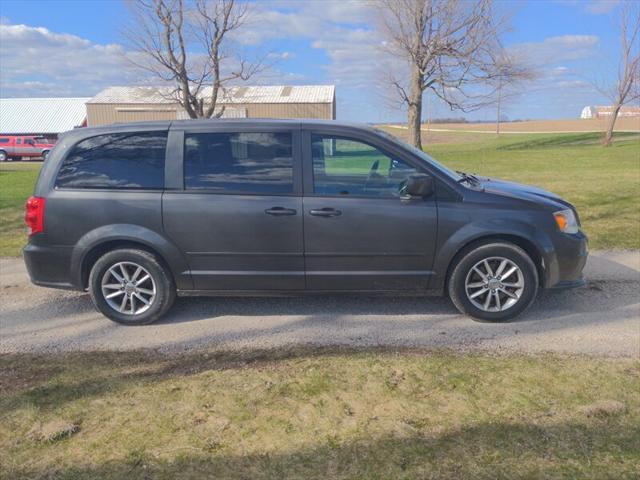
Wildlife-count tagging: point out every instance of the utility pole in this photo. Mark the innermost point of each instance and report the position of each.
(428, 111)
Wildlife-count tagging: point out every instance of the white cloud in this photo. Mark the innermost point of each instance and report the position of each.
(301, 19)
(281, 55)
(37, 61)
(556, 71)
(340, 28)
(594, 7)
(556, 49)
(573, 84)
(598, 7)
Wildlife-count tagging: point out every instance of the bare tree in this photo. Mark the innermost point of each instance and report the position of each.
(626, 88)
(508, 79)
(189, 43)
(448, 47)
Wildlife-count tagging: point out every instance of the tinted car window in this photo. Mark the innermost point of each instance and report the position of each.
(241, 162)
(4, 140)
(343, 166)
(132, 160)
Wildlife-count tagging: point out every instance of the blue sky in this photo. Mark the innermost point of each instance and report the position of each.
(77, 47)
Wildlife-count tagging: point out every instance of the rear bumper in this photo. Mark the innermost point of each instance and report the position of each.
(49, 266)
(570, 258)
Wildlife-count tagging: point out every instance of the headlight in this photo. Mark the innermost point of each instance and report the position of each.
(566, 221)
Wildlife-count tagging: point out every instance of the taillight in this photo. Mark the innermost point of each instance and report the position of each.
(34, 218)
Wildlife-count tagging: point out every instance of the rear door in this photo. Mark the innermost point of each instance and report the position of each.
(359, 233)
(234, 206)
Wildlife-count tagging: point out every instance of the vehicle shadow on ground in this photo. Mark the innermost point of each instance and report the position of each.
(340, 319)
(601, 296)
(616, 290)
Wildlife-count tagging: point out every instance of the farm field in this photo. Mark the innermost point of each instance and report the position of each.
(572, 125)
(603, 183)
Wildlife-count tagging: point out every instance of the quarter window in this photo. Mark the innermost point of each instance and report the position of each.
(133, 160)
(349, 167)
(240, 162)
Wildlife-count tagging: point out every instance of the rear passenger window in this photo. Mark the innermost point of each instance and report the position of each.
(242, 162)
(4, 140)
(132, 160)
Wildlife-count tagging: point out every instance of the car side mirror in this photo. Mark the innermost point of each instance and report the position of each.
(419, 185)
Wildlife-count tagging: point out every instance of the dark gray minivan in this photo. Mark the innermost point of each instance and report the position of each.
(137, 213)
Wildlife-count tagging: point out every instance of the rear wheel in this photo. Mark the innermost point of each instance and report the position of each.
(131, 287)
(3, 156)
(494, 282)
(45, 154)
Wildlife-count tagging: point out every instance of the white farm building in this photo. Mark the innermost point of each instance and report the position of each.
(605, 111)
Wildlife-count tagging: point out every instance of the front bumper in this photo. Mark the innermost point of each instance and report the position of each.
(565, 266)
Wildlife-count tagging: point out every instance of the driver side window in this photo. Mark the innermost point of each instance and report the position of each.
(348, 167)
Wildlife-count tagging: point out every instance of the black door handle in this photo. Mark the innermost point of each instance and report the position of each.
(325, 212)
(280, 211)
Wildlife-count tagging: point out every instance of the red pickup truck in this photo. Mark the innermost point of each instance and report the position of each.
(12, 146)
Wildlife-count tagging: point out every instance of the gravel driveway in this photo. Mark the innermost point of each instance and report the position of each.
(601, 319)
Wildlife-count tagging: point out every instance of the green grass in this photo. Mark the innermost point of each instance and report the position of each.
(318, 413)
(17, 180)
(603, 183)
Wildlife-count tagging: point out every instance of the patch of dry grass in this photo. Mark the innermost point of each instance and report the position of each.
(319, 413)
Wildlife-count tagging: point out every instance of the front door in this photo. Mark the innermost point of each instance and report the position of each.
(238, 215)
(359, 231)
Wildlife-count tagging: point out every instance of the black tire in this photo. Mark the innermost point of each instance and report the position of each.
(3, 156)
(457, 284)
(165, 291)
(45, 154)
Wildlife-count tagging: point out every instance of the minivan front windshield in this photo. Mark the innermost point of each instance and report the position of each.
(420, 154)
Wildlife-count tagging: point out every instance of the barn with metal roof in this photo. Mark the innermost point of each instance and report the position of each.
(131, 104)
(41, 116)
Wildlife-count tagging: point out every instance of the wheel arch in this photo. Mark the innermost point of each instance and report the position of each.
(92, 256)
(102, 240)
(525, 244)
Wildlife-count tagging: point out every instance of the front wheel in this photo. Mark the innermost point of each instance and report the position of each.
(131, 287)
(45, 154)
(494, 282)
(3, 156)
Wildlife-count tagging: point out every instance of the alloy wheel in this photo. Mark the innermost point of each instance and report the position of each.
(494, 284)
(128, 288)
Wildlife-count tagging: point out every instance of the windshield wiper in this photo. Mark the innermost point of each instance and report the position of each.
(467, 177)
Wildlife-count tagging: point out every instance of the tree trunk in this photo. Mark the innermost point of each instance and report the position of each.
(611, 122)
(415, 108)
